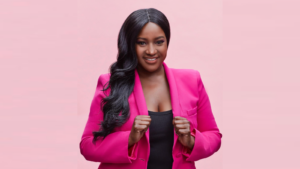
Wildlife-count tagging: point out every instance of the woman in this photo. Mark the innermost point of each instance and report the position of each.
(145, 115)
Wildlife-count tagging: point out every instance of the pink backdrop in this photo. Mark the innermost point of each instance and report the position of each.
(52, 53)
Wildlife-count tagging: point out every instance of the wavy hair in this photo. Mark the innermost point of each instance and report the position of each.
(122, 74)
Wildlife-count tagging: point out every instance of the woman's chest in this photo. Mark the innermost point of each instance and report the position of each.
(157, 97)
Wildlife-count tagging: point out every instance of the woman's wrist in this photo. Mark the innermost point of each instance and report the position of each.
(130, 142)
(192, 143)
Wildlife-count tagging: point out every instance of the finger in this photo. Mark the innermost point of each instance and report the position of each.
(141, 127)
(183, 132)
(147, 122)
(182, 126)
(143, 122)
(181, 121)
(146, 118)
(178, 117)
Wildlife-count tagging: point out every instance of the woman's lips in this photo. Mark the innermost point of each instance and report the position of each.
(151, 60)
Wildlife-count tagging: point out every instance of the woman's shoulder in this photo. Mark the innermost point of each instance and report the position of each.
(104, 77)
(185, 73)
(178, 73)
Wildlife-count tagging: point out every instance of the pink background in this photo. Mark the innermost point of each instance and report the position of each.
(52, 53)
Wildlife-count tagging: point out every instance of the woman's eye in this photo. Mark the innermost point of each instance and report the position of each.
(160, 42)
(141, 43)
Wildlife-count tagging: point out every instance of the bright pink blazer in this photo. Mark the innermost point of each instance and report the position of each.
(189, 99)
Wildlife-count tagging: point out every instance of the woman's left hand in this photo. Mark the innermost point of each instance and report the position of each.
(182, 128)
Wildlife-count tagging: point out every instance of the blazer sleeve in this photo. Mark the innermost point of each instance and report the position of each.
(207, 135)
(114, 148)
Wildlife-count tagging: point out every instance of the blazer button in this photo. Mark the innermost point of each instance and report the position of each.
(178, 155)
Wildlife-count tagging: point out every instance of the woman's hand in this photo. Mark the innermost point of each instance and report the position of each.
(182, 128)
(140, 125)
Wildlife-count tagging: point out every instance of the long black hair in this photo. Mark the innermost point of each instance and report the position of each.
(122, 75)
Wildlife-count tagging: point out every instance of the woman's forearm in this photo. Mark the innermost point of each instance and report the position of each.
(130, 142)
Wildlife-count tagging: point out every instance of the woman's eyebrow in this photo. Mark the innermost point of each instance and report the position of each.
(154, 38)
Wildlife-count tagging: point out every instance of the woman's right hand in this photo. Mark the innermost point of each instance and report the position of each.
(140, 126)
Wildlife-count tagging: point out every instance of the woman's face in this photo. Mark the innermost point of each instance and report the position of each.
(151, 44)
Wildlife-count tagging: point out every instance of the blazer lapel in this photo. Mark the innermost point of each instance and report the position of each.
(141, 102)
(140, 98)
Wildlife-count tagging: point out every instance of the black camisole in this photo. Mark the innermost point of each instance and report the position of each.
(161, 133)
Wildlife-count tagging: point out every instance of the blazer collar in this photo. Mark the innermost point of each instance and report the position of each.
(142, 105)
(140, 98)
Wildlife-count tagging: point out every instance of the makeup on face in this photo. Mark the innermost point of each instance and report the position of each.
(151, 60)
(158, 42)
(142, 43)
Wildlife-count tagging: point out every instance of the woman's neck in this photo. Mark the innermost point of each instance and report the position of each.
(144, 74)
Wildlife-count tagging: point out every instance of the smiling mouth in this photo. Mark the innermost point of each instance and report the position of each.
(151, 59)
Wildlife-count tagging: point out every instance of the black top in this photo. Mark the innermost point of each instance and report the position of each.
(161, 133)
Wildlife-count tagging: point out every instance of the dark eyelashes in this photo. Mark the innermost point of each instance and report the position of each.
(141, 43)
(162, 41)
(158, 42)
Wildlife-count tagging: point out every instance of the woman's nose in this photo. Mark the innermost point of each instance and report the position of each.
(151, 50)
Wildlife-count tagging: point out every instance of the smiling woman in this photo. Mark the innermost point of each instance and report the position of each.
(151, 47)
(148, 116)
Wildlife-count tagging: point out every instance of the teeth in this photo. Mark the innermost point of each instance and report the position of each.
(151, 59)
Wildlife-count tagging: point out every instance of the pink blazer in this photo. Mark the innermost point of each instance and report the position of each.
(188, 98)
